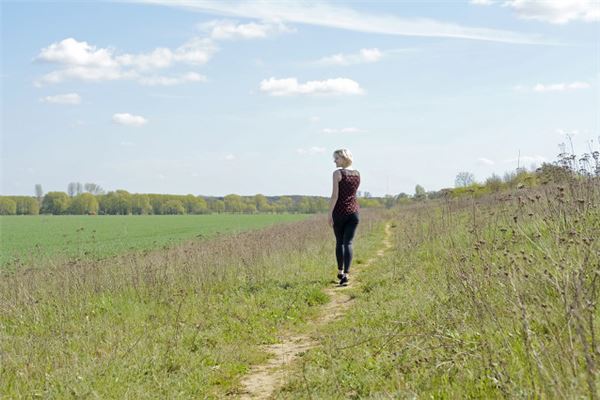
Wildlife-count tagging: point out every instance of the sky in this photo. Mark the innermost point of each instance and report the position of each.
(246, 97)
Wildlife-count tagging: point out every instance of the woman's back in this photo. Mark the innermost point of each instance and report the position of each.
(347, 187)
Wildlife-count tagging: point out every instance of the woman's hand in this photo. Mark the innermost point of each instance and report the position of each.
(330, 220)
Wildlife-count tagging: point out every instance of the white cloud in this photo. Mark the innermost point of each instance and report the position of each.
(82, 61)
(69, 98)
(485, 161)
(340, 17)
(561, 87)
(557, 11)
(342, 130)
(72, 52)
(552, 11)
(311, 151)
(363, 56)
(554, 87)
(230, 157)
(226, 29)
(168, 81)
(129, 119)
(290, 86)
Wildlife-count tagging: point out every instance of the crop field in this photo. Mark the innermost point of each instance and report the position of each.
(41, 239)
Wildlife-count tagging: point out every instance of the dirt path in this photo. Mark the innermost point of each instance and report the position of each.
(264, 379)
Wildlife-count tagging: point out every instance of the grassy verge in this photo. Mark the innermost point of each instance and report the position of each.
(480, 299)
(182, 322)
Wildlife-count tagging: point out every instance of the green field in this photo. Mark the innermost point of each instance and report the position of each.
(34, 239)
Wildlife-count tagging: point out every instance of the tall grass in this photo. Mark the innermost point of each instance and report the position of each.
(488, 298)
(180, 322)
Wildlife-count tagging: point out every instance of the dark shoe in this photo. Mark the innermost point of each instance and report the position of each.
(344, 280)
(339, 275)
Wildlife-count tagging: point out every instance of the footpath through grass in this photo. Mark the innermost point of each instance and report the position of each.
(183, 322)
(495, 298)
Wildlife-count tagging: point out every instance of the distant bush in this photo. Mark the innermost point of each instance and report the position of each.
(55, 203)
(7, 206)
(173, 207)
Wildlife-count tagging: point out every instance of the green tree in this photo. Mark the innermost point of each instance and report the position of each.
(55, 203)
(201, 206)
(173, 207)
(140, 204)
(157, 203)
(494, 183)
(321, 204)
(217, 205)
(249, 207)
(233, 203)
(305, 205)
(285, 204)
(194, 205)
(403, 198)
(262, 203)
(116, 203)
(84, 204)
(420, 193)
(27, 205)
(7, 206)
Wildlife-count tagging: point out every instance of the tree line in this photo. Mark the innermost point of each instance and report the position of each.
(91, 200)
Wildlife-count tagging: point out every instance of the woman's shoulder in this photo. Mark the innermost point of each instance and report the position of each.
(340, 171)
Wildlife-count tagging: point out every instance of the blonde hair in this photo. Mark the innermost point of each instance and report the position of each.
(345, 155)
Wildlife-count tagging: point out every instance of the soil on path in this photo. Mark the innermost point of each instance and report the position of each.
(262, 380)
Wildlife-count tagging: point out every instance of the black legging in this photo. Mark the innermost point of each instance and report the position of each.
(344, 228)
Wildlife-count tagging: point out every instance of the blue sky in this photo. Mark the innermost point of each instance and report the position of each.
(253, 97)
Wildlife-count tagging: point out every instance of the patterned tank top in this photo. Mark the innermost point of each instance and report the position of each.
(346, 203)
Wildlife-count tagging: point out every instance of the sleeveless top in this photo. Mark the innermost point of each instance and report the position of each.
(346, 203)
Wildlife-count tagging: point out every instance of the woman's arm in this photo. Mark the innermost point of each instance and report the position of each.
(334, 197)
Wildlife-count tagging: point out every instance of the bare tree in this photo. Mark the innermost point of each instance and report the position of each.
(78, 188)
(93, 188)
(39, 193)
(464, 179)
(71, 189)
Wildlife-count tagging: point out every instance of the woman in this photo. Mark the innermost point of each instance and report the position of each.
(344, 210)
